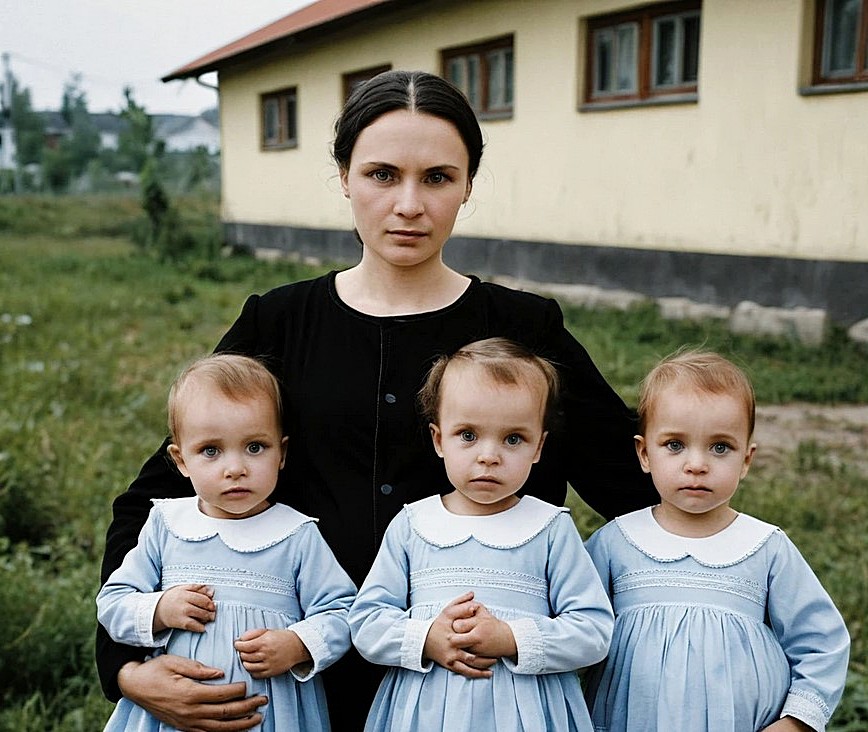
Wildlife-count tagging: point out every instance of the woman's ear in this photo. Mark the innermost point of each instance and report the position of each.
(468, 191)
(436, 437)
(642, 453)
(345, 188)
(175, 453)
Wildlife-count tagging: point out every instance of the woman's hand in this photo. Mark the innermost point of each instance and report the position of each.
(484, 635)
(442, 648)
(266, 653)
(185, 607)
(168, 687)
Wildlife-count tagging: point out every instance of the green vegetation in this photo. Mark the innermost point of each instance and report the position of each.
(92, 330)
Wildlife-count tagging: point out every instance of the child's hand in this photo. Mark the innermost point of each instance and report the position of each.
(484, 635)
(266, 653)
(185, 607)
(440, 645)
(788, 724)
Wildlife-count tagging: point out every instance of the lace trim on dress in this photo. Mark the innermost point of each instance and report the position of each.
(738, 541)
(186, 522)
(505, 530)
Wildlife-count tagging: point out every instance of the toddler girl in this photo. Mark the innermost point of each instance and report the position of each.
(720, 624)
(227, 577)
(483, 603)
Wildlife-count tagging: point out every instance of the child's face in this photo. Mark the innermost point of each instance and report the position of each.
(696, 447)
(230, 450)
(489, 436)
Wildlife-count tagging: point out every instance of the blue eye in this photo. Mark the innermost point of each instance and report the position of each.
(383, 176)
(209, 451)
(254, 448)
(514, 440)
(674, 445)
(467, 436)
(720, 448)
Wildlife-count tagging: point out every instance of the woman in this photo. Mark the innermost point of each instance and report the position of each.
(351, 350)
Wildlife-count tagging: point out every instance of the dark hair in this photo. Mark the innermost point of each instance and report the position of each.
(505, 362)
(415, 91)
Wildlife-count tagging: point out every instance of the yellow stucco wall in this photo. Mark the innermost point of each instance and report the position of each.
(752, 168)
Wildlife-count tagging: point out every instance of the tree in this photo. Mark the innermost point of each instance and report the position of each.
(136, 142)
(29, 126)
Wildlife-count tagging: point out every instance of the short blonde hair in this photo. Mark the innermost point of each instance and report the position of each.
(505, 362)
(704, 371)
(237, 377)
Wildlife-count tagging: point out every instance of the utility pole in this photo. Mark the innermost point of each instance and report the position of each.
(8, 148)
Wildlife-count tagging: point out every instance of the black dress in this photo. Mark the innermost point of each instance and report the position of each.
(358, 450)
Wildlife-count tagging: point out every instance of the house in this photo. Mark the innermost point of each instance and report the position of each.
(709, 149)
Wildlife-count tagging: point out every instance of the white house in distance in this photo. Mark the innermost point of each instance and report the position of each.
(710, 149)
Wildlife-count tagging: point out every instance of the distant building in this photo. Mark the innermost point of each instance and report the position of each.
(711, 149)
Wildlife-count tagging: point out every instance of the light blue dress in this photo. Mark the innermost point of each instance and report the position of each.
(527, 565)
(272, 570)
(722, 634)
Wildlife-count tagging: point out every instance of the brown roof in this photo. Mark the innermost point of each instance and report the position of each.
(309, 17)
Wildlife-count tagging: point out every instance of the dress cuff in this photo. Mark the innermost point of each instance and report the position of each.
(316, 645)
(807, 708)
(529, 642)
(146, 608)
(413, 645)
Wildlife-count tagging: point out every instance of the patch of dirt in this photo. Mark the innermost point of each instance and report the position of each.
(841, 431)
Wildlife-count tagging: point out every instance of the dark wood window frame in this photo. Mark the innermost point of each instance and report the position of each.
(352, 79)
(821, 74)
(484, 106)
(645, 91)
(279, 119)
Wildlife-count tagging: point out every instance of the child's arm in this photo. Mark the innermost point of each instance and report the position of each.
(380, 622)
(127, 602)
(580, 629)
(325, 593)
(446, 647)
(812, 633)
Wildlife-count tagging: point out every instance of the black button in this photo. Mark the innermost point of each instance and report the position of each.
(390, 398)
(385, 489)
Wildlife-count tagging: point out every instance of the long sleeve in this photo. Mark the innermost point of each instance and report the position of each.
(325, 593)
(128, 599)
(580, 629)
(382, 629)
(812, 634)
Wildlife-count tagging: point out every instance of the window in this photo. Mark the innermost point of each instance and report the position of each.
(484, 72)
(357, 78)
(645, 54)
(279, 120)
(841, 42)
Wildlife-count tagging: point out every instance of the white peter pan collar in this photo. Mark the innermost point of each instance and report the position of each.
(505, 530)
(742, 538)
(185, 521)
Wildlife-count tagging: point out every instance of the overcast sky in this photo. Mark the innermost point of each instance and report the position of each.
(115, 43)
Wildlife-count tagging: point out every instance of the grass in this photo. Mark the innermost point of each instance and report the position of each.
(92, 332)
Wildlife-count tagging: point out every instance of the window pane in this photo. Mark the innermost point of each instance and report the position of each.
(603, 41)
(473, 94)
(665, 54)
(690, 51)
(508, 78)
(839, 38)
(455, 73)
(271, 121)
(499, 79)
(627, 36)
(289, 106)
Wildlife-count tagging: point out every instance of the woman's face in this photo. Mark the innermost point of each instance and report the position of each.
(407, 178)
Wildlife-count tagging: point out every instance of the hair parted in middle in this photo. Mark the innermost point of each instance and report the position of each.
(505, 362)
(700, 370)
(237, 377)
(414, 91)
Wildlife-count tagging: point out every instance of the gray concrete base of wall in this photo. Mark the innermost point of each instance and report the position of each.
(838, 289)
